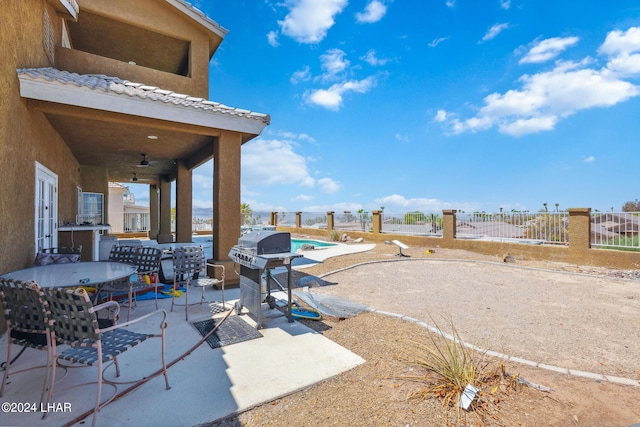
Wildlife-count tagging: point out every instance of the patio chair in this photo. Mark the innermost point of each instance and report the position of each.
(59, 255)
(26, 319)
(74, 323)
(190, 270)
(148, 263)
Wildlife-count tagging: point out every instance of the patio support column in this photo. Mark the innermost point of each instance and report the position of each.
(165, 236)
(226, 199)
(184, 209)
(154, 208)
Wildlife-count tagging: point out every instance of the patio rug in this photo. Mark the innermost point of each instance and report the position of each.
(232, 331)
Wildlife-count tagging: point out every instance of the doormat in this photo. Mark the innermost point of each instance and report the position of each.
(232, 331)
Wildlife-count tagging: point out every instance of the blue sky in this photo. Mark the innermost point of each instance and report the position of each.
(430, 105)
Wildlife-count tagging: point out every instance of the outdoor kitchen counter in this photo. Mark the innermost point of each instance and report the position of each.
(86, 235)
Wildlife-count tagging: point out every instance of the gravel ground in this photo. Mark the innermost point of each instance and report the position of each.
(586, 321)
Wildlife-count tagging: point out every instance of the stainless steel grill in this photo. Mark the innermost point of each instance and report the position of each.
(257, 253)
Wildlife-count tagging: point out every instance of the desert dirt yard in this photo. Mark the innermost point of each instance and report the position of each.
(573, 329)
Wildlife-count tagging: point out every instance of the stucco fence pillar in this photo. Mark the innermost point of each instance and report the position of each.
(298, 220)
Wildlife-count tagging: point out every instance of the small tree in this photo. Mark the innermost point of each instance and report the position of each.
(415, 217)
(631, 206)
(246, 212)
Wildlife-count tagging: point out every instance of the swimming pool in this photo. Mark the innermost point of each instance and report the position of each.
(206, 242)
(297, 244)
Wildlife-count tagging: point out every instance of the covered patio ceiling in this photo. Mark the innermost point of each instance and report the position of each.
(110, 123)
(119, 147)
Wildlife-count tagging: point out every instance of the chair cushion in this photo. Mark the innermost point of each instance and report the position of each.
(46, 259)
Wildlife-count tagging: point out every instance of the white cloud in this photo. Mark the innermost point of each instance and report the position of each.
(332, 98)
(333, 63)
(436, 42)
(625, 64)
(328, 185)
(546, 98)
(268, 162)
(618, 42)
(590, 159)
(372, 59)
(621, 47)
(494, 31)
(272, 38)
(301, 75)
(401, 138)
(396, 203)
(293, 136)
(338, 208)
(548, 49)
(303, 197)
(309, 20)
(441, 116)
(373, 12)
(203, 180)
(450, 3)
(505, 4)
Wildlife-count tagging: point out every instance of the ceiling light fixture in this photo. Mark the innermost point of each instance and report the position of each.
(152, 136)
(135, 177)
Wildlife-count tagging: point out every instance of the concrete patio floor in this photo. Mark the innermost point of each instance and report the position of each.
(206, 385)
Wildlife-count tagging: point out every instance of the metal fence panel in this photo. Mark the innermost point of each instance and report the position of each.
(313, 220)
(415, 223)
(348, 221)
(524, 227)
(615, 230)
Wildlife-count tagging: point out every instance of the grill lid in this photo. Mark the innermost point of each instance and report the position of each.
(264, 242)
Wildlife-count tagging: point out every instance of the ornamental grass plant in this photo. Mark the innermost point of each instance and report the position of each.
(445, 365)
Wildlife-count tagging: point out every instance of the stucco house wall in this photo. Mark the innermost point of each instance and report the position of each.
(164, 21)
(26, 136)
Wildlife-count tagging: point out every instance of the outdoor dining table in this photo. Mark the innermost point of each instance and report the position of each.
(91, 273)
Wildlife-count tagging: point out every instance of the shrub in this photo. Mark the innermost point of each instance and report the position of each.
(335, 235)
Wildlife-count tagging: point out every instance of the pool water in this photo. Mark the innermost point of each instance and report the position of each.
(207, 242)
(297, 244)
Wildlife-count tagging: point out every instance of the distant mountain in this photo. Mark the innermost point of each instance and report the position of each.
(205, 213)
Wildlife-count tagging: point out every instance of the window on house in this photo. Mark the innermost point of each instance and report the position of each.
(90, 208)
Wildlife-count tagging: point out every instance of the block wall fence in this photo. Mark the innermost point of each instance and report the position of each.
(578, 251)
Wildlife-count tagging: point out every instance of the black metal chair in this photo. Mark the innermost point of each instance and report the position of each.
(147, 262)
(75, 323)
(190, 270)
(27, 325)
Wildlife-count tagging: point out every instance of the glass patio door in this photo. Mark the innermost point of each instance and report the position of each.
(46, 209)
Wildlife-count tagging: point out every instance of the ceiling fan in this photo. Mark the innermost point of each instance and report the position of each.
(144, 162)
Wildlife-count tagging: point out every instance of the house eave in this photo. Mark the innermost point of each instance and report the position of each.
(68, 9)
(234, 120)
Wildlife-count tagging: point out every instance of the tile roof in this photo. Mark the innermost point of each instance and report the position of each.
(115, 85)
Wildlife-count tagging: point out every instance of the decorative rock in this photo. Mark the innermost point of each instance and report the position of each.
(509, 258)
(307, 247)
(358, 240)
(344, 237)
